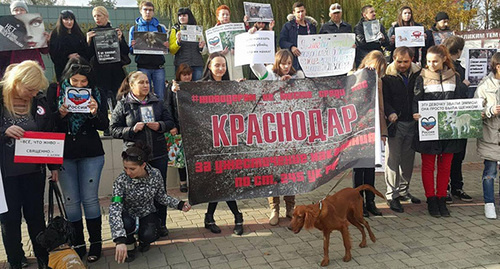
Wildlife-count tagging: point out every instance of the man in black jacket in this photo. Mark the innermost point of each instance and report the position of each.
(362, 46)
(442, 19)
(398, 87)
(336, 24)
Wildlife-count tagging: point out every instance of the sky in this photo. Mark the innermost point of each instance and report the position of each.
(120, 3)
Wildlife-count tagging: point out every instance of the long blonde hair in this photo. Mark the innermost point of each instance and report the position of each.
(378, 59)
(29, 74)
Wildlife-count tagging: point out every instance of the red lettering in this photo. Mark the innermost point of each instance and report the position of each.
(218, 131)
(237, 127)
(253, 130)
(333, 123)
(283, 127)
(315, 122)
(269, 136)
(299, 125)
(349, 115)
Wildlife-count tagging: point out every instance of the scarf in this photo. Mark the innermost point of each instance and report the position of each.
(75, 120)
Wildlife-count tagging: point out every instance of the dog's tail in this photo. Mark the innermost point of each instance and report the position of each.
(370, 188)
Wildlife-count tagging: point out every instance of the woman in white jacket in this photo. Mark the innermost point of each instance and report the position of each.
(488, 147)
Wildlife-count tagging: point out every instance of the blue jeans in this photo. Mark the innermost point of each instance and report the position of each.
(489, 175)
(79, 180)
(156, 81)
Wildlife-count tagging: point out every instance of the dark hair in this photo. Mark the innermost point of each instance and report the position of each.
(443, 52)
(363, 9)
(400, 17)
(454, 44)
(184, 69)
(146, 3)
(207, 73)
(61, 30)
(403, 51)
(78, 66)
(125, 86)
(495, 60)
(138, 153)
(187, 11)
(297, 4)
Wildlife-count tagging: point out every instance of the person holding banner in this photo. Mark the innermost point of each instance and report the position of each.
(132, 209)
(224, 16)
(335, 24)
(131, 123)
(362, 46)
(83, 152)
(184, 51)
(23, 107)
(438, 81)
(216, 70)
(373, 60)
(405, 18)
(66, 41)
(298, 24)
(488, 147)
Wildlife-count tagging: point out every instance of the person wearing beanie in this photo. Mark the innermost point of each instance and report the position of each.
(17, 8)
(441, 25)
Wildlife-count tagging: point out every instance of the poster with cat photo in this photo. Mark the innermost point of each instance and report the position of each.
(450, 119)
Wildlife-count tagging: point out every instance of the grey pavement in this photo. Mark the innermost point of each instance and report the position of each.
(404, 240)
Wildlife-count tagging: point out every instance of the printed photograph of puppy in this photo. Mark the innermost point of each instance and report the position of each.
(150, 43)
(258, 12)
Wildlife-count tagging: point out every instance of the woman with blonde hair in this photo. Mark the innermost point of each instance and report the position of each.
(373, 60)
(23, 107)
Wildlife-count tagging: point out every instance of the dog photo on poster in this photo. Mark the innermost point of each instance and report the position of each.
(271, 138)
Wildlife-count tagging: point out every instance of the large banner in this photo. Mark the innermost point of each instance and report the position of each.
(270, 138)
(327, 54)
(450, 119)
(23, 31)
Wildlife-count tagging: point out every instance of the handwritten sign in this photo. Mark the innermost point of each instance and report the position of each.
(410, 36)
(78, 99)
(222, 36)
(326, 55)
(40, 147)
(257, 48)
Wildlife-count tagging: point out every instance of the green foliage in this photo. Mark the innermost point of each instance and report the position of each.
(104, 3)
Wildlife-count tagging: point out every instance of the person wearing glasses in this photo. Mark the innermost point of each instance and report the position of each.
(151, 65)
(83, 152)
(66, 41)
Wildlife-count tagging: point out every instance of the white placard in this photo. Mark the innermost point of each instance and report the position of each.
(327, 54)
(410, 36)
(78, 99)
(258, 12)
(222, 36)
(3, 202)
(257, 48)
(191, 33)
(40, 147)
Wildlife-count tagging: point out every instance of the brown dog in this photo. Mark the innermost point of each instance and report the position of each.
(334, 213)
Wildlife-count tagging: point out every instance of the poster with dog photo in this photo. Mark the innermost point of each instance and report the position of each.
(410, 36)
(258, 12)
(222, 36)
(107, 47)
(78, 99)
(450, 119)
(21, 32)
(150, 43)
(191, 33)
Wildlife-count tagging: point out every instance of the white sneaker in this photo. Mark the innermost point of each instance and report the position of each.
(489, 211)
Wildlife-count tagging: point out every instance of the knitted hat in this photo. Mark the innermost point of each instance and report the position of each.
(20, 4)
(442, 16)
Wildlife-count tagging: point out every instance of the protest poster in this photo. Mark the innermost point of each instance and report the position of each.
(410, 36)
(21, 32)
(258, 12)
(191, 33)
(478, 65)
(40, 147)
(78, 99)
(270, 138)
(150, 43)
(3, 201)
(440, 36)
(147, 114)
(256, 48)
(107, 46)
(222, 36)
(327, 54)
(450, 119)
(372, 31)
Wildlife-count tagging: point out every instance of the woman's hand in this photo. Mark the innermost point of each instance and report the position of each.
(225, 51)
(15, 132)
(166, 44)
(174, 131)
(393, 117)
(93, 106)
(54, 175)
(90, 35)
(178, 36)
(121, 253)
(271, 25)
(245, 20)
(186, 207)
(63, 111)
(416, 116)
(155, 126)
(295, 51)
(138, 127)
(252, 30)
(132, 43)
(285, 77)
(120, 34)
(73, 55)
(241, 79)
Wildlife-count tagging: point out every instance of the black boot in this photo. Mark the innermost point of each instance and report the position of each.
(372, 208)
(365, 212)
(442, 207)
(78, 239)
(238, 224)
(94, 228)
(432, 206)
(210, 224)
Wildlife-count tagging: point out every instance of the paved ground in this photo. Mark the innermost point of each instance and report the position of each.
(409, 240)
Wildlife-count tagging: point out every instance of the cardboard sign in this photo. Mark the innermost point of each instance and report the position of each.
(78, 99)
(40, 147)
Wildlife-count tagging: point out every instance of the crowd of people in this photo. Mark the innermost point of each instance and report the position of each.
(139, 198)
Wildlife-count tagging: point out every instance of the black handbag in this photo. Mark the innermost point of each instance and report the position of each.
(59, 230)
